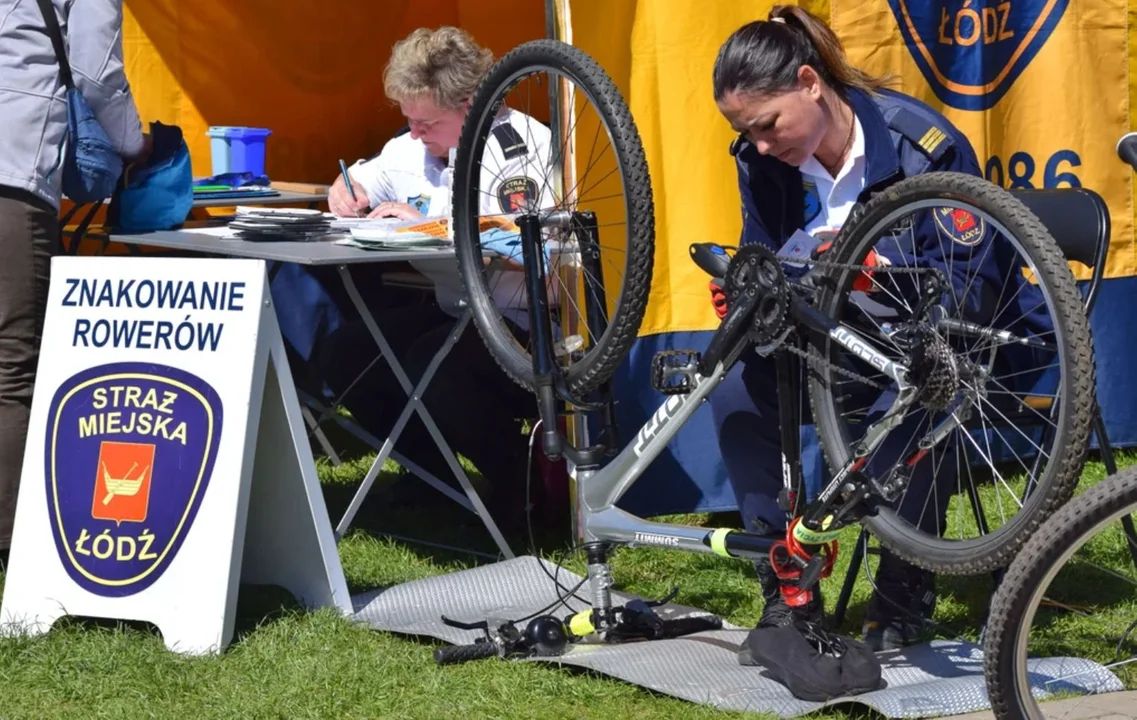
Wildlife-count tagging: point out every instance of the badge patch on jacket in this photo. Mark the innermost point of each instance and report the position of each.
(517, 193)
(960, 225)
(419, 202)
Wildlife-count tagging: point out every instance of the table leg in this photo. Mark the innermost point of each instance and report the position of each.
(314, 426)
(410, 465)
(415, 394)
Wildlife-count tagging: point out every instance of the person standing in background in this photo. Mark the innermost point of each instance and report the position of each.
(33, 130)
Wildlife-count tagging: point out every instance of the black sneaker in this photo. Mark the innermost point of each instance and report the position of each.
(776, 612)
(904, 600)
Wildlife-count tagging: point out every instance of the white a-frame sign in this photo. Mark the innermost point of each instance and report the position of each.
(166, 460)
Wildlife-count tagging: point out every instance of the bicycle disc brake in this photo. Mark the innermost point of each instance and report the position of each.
(800, 567)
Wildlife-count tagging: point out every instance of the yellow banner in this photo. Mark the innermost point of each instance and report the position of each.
(660, 54)
(1040, 87)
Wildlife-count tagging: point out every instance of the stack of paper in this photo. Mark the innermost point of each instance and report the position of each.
(395, 234)
(277, 224)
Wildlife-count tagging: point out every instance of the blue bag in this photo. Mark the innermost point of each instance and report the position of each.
(91, 165)
(158, 196)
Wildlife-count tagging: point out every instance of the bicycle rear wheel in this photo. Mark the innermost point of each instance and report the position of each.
(1011, 328)
(596, 214)
(1091, 519)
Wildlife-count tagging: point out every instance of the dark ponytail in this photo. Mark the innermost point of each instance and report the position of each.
(764, 56)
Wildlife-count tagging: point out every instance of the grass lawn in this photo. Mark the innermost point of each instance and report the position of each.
(288, 663)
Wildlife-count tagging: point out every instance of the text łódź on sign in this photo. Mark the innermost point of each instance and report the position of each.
(141, 442)
(1002, 72)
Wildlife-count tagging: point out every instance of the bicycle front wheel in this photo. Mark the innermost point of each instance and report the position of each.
(1088, 522)
(588, 184)
(996, 437)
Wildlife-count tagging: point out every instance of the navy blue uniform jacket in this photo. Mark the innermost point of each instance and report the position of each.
(903, 138)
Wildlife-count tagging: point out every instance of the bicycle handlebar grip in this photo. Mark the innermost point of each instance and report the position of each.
(455, 654)
(1127, 148)
(689, 625)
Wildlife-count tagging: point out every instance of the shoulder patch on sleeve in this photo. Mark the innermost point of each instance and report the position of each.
(512, 145)
(930, 139)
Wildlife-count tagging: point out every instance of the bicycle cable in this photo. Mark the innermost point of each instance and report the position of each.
(561, 599)
(923, 622)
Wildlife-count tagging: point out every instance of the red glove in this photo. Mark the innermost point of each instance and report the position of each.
(863, 283)
(718, 299)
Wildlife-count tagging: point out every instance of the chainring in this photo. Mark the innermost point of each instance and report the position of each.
(756, 268)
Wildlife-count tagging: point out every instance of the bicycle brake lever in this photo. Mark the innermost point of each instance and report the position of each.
(637, 619)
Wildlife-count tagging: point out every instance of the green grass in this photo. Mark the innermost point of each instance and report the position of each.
(288, 663)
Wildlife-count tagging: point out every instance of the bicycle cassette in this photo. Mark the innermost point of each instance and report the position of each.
(756, 269)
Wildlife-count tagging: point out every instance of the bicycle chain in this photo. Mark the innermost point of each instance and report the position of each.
(820, 363)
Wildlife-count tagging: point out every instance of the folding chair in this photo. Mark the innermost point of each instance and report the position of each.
(1078, 220)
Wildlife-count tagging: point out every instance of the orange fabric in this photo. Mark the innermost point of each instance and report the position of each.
(312, 72)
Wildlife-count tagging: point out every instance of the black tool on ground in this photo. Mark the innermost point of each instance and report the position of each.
(547, 635)
(544, 635)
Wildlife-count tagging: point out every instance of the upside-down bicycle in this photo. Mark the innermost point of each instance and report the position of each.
(984, 386)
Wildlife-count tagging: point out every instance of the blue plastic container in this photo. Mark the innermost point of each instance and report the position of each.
(238, 149)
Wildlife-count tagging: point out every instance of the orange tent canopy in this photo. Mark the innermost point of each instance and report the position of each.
(309, 71)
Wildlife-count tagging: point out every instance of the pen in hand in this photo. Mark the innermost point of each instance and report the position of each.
(347, 181)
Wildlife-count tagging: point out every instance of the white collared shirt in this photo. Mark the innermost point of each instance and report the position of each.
(406, 172)
(829, 200)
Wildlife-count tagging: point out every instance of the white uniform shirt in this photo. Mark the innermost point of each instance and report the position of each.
(829, 200)
(406, 172)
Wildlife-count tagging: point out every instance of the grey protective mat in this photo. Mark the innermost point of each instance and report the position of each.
(932, 680)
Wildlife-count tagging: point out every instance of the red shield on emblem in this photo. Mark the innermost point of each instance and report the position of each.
(963, 220)
(122, 481)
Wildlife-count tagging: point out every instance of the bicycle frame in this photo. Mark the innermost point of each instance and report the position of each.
(599, 489)
(600, 523)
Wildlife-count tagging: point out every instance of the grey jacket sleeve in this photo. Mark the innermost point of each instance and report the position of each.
(94, 30)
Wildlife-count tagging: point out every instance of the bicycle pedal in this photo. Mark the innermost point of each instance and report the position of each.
(673, 371)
